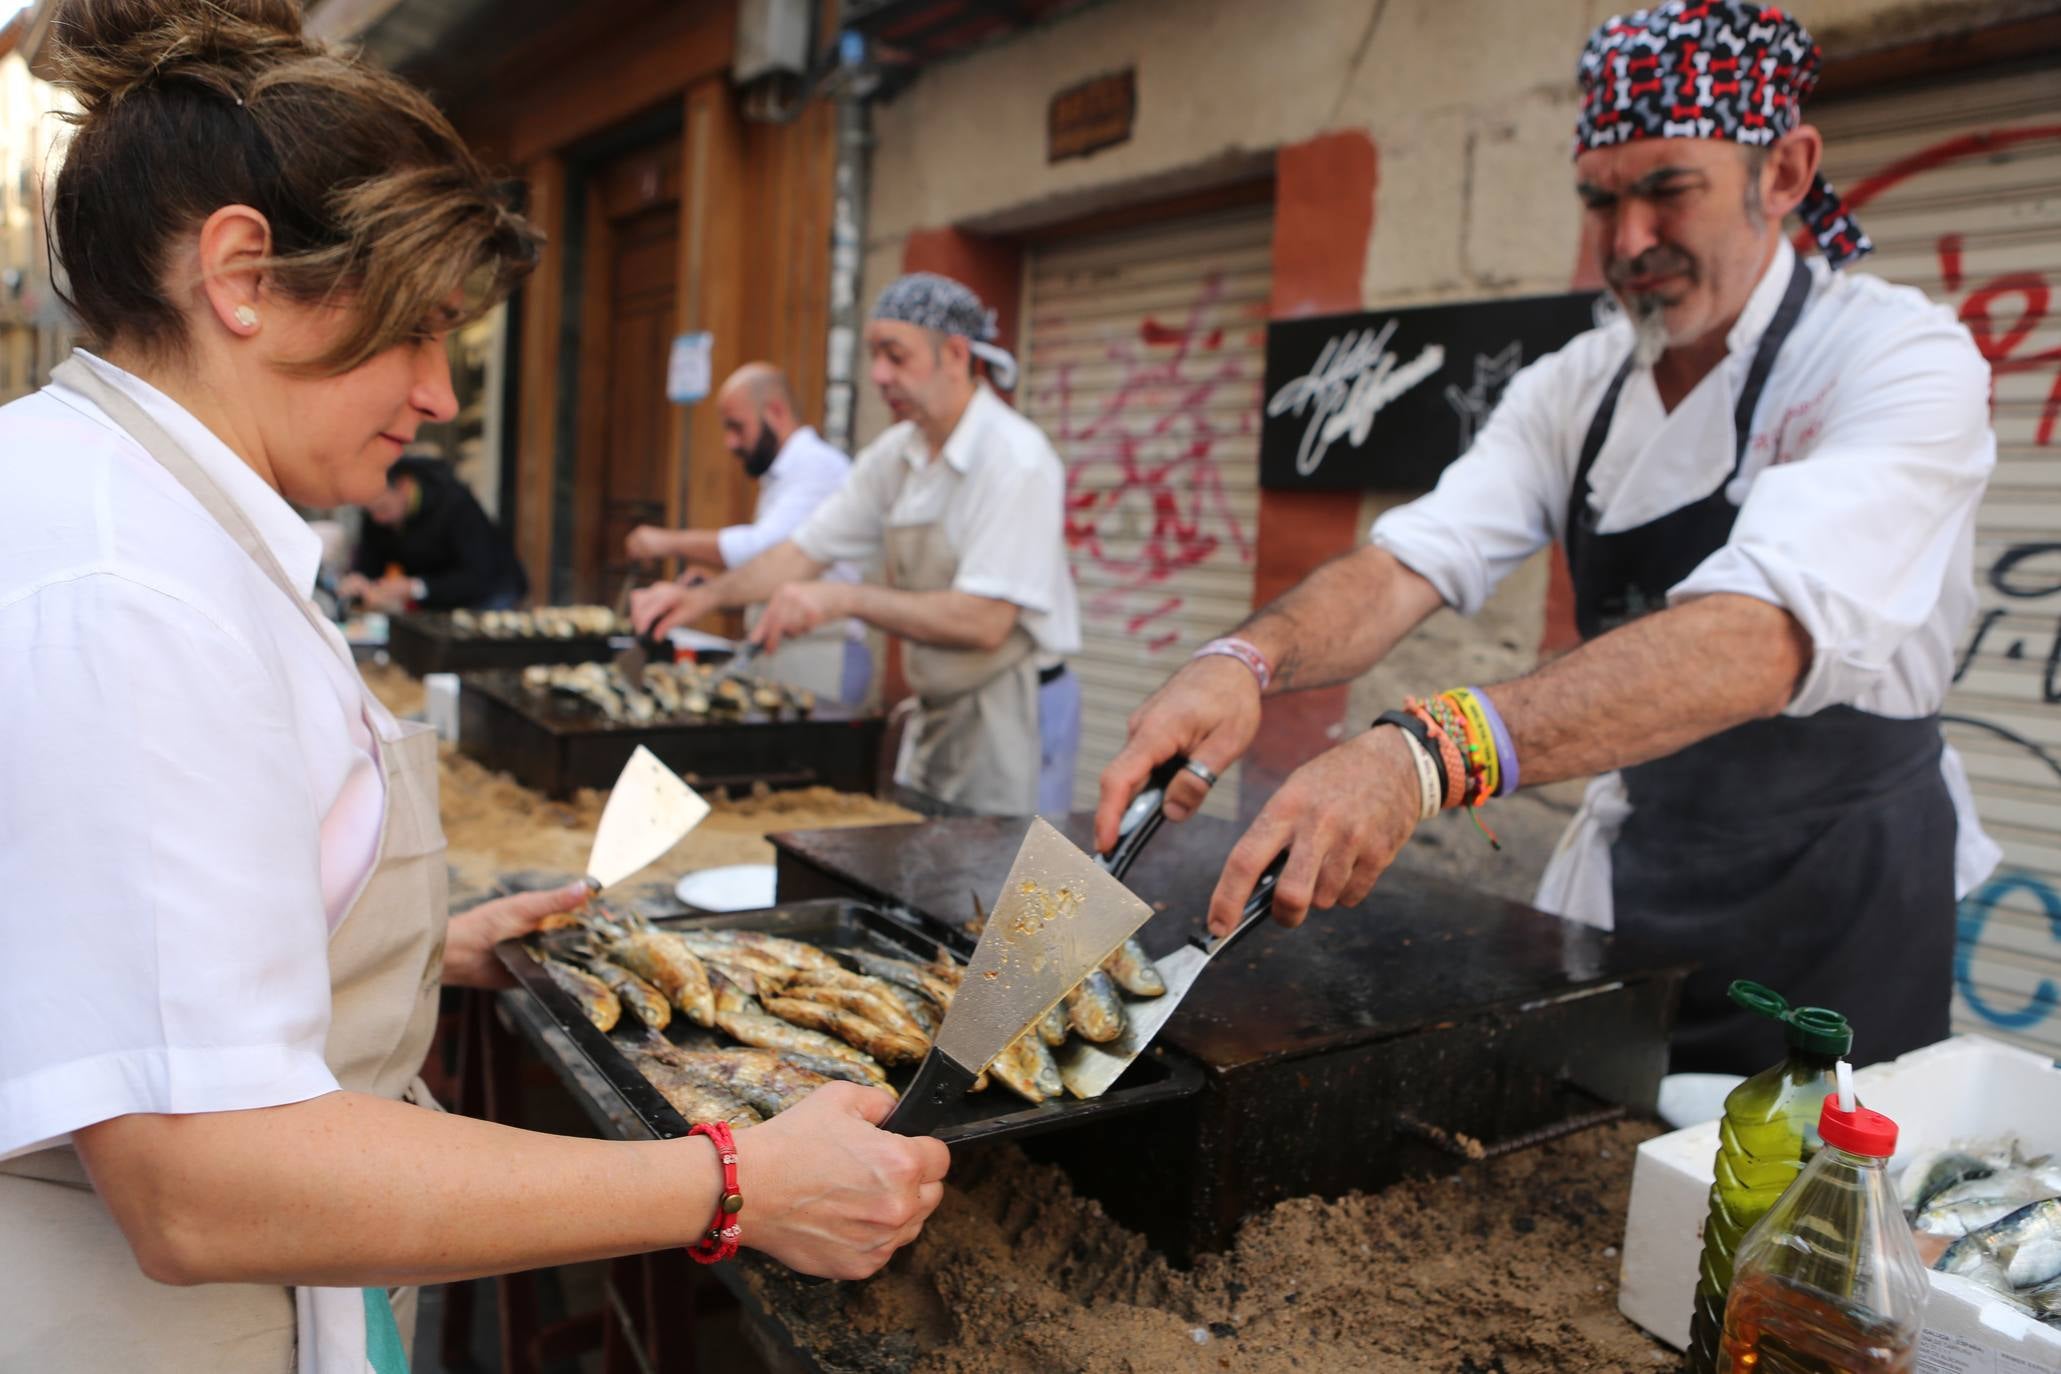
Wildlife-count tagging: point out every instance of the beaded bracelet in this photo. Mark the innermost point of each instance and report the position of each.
(1448, 751)
(1480, 747)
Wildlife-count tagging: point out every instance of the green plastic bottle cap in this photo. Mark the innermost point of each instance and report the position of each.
(1820, 1031)
(1815, 1030)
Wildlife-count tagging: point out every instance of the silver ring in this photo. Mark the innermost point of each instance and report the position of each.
(1201, 770)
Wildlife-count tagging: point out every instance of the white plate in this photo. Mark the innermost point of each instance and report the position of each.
(1690, 1099)
(739, 887)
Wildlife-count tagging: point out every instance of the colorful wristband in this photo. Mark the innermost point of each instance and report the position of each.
(1506, 748)
(1245, 653)
(1447, 747)
(1481, 744)
(721, 1241)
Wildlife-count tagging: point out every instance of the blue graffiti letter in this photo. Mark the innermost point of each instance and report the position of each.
(1974, 913)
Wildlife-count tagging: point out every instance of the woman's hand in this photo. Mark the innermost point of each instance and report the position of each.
(470, 938)
(827, 1192)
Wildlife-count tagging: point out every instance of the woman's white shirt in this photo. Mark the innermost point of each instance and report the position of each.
(191, 795)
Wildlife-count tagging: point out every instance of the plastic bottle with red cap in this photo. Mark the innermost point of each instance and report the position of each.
(1829, 1281)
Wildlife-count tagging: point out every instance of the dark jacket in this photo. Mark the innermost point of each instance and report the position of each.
(462, 557)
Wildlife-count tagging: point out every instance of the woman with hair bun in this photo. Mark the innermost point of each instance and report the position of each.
(226, 921)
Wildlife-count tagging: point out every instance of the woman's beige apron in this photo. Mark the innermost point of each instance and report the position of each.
(71, 1295)
(974, 743)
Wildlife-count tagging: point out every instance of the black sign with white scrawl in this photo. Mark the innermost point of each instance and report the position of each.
(1385, 399)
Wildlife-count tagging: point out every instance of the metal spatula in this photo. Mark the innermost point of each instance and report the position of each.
(1059, 915)
(1089, 1069)
(649, 811)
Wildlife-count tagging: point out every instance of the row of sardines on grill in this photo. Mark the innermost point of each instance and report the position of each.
(542, 622)
(789, 1016)
(667, 691)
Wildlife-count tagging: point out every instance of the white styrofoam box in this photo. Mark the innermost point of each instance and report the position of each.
(1966, 1088)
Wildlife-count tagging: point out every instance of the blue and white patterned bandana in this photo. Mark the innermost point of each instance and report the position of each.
(948, 307)
(1726, 69)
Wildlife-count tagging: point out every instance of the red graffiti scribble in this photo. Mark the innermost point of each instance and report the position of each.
(2032, 291)
(1144, 618)
(1109, 472)
(1999, 352)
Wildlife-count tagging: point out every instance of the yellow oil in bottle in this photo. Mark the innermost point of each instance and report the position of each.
(1773, 1326)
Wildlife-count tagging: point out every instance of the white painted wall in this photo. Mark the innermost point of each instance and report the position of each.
(1470, 104)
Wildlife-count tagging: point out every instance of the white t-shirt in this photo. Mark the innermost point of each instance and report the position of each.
(807, 472)
(1857, 499)
(191, 795)
(999, 493)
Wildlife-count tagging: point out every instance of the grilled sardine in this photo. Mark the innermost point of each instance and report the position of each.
(595, 1001)
(1134, 971)
(887, 1046)
(1094, 1009)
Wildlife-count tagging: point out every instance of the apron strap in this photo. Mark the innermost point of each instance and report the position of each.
(1794, 297)
(173, 458)
(1592, 444)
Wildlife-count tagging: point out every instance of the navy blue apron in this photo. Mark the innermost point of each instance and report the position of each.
(1814, 854)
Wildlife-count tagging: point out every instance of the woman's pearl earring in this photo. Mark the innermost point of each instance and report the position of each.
(246, 317)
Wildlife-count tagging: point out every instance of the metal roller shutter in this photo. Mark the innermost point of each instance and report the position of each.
(1144, 357)
(1959, 184)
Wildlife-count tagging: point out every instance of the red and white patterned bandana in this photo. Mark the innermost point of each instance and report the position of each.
(1725, 69)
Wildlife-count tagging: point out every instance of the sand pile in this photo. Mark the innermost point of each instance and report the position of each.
(495, 826)
(1508, 1266)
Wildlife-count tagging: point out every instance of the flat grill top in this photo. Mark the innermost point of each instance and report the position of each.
(1418, 951)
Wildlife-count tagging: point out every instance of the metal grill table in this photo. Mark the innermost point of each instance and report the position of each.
(557, 745)
(1326, 1051)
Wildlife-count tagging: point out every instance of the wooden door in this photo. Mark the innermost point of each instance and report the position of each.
(628, 321)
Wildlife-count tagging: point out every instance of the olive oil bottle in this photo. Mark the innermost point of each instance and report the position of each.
(1767, 1135)
(1829, 1281)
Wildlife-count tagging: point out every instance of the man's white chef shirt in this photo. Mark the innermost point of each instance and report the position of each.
(190, 796)
(807, 472)
(1857, 501)
(1000, 494)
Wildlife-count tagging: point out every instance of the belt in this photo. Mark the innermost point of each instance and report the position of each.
(1048, 676)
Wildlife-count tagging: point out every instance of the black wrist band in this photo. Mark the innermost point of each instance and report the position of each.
(1418, 731)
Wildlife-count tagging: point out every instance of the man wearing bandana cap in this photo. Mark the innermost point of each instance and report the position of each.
(1765, 473)
(963, 502)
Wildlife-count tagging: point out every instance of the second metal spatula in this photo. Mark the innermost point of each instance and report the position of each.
(1059, 915)
(1089, 1069)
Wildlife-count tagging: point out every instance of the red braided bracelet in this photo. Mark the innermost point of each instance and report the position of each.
(721, 1241)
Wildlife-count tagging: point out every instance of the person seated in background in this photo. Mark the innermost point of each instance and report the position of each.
(428, 543)
(797, 470)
